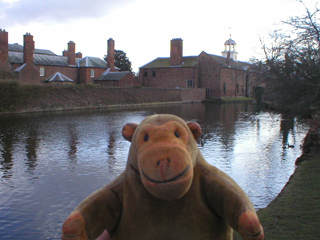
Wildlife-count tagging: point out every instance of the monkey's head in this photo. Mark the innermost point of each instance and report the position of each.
(163, 150)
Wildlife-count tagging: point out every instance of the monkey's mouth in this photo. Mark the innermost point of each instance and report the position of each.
(168, 180)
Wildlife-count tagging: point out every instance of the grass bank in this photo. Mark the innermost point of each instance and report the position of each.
(295, 213)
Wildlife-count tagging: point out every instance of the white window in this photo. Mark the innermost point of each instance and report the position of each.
(42, 71)
(189, 83)
(92, 73)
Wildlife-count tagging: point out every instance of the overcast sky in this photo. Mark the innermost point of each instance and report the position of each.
(143, 28)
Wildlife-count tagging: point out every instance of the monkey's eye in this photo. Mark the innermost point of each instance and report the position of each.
(177, 134)
(146, 137)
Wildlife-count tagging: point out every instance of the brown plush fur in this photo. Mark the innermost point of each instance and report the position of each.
(167, 191)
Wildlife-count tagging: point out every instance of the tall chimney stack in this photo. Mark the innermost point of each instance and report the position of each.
(4, 57)
(28, 48)
(71, 53)
(176, 52)
(111, 53)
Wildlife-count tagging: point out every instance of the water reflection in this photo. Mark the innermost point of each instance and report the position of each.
(31, 149)
(6, 140)
(49, 162)
(73, 142)
(111, 160)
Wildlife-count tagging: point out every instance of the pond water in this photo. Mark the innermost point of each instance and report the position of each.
(49, 162)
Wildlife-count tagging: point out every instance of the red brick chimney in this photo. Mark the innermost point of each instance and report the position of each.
(78, 55)
(28, 48)
(65, 53)
(110, 56)
(3, 46)
(176, 52)
(71, 53)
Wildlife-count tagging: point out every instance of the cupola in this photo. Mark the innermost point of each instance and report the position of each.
(230, 49)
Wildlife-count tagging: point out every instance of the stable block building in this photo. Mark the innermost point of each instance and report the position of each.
(222, 76)
(43, 67)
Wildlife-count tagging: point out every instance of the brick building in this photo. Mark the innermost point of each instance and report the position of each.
(39, 66)
(221, 76)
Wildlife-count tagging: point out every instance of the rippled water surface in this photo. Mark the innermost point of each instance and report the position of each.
(50, 162)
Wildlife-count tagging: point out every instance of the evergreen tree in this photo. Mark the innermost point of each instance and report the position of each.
(121, 61)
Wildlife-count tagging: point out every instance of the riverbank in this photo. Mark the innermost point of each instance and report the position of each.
(294, 214)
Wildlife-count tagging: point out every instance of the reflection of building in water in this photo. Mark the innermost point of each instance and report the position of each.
(31, 148)
(111, 149)
(73, 142)
(6, 154)
(226, 115)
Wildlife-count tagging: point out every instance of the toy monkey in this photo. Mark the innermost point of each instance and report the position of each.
(167, 191)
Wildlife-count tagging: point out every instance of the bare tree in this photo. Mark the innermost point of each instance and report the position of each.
(293, 63)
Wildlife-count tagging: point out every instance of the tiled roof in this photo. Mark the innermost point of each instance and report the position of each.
(165, 62)
(111, 76)
(15, 57)
(18, 69)
(58, 77)
(15, 47)
(48, 58)
(232, 64)
(193, 60)
(19, 48)
(92, 62)
(40, 59)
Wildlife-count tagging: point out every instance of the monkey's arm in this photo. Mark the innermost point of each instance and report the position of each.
(230, 202)
(100, 211)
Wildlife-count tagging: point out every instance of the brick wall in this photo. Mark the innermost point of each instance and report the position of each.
(70, 72)
(169, 77)
(209, 75)
(85, 74)
(46, 98)
(129, 80)
(3, 46)
(193, 94)
(29, 74)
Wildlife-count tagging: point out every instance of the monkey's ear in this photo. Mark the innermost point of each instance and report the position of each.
(128, 130)
(195, 129)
